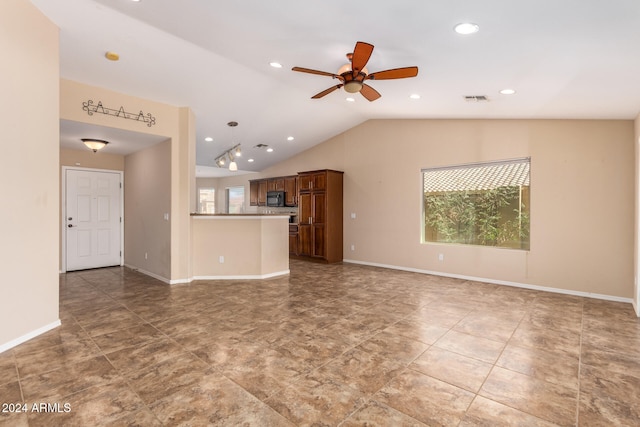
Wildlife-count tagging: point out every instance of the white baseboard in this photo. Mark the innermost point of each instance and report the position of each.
(30, 335)
(246, 277)
(148, 273)
(498, 282)
(189, 280)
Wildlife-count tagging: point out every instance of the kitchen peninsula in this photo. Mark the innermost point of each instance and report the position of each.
(239, 246)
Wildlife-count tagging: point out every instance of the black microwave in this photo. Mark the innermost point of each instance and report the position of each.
(275, 199)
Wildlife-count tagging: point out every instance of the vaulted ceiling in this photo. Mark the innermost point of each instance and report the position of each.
(565, 59)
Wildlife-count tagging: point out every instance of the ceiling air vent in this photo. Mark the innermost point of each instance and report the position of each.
(476, 98)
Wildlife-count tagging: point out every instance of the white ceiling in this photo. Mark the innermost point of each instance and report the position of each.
(566, 59)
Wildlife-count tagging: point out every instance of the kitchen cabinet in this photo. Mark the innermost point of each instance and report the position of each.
(293, 239)
(253, 193)
(258, 190)
(291, 190)
(275, 184)
(320, 215)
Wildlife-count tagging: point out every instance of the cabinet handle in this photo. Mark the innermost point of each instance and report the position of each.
(310, 220)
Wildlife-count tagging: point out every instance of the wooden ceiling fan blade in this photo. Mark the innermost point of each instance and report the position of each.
(326, 91)
(360, 57)
(396, 73)
(370, 93)
(310, 71)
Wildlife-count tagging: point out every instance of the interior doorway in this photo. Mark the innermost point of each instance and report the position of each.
(92, 226)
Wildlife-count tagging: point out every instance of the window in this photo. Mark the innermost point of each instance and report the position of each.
(235, 200)
(480, 204)
(206, 200)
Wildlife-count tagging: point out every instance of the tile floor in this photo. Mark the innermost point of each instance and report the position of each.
(328, 345)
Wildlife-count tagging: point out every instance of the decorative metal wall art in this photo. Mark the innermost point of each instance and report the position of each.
(91, 109)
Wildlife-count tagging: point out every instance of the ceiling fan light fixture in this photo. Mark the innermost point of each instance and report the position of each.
(94, 144)
(353, 86)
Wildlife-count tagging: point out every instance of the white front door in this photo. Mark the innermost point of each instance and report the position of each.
(92, 219)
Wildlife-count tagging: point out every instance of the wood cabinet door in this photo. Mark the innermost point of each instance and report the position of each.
(262, 193)
(318, 242)
(291, 191)
(318, 204)
(320, 181)
(305, 182)
(253, 193)
(304, 209)
(293, 243)
(305, 240)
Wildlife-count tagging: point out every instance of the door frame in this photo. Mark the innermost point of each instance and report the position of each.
(63, 210)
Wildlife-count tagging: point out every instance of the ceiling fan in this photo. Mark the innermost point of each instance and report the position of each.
(354, 74)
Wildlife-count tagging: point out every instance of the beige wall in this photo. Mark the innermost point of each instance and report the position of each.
(88, 159)
(582, 197)
(636, 256)
(147, 179)
(252, 247)
(178, 125)
(29, 107)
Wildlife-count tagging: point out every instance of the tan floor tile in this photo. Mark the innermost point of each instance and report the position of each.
(364, 371)
(327, 344)
(394, 346)
(8, 371)
(551, 402)
(452, 368)
(11, 401)
(627, 363)
(55, 357)
(316, 401)
(608, 397)
(544, 365)
(167, 376)
(374, 413)
(135, 336)
(426, 399)
(487, 413)
(471, 346)
(214, 400)
(129, 360)
(417, 330)
(566, 342)
(102, 405)
(58, 384)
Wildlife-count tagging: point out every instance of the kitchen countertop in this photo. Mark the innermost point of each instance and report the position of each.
(241, 215)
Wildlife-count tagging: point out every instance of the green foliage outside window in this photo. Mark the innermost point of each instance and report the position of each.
(457, 209)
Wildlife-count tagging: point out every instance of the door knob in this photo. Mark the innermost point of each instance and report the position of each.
(70, 225)
(70, 218)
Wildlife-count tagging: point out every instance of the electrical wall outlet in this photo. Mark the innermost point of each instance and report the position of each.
(440, 257)
(221, 259)
(353, 247)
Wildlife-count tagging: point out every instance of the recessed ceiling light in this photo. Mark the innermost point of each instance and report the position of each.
(269, 150)
(466, 28)
(350, 99)
(275, 64)
(414, 96)
(250, 160)
(507, 91)
(208, 139)
(290, 138)
(112, 56)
